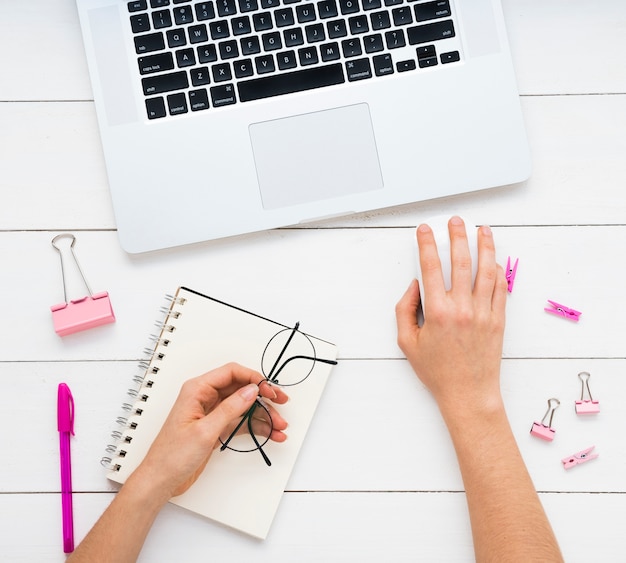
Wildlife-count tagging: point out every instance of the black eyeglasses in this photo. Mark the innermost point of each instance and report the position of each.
(280, 369)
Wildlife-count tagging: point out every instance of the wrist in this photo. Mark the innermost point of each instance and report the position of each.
(471, 412)
(144, 489)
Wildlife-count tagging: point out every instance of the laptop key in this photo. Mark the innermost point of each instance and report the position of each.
(383, 64)
(371, 4)
(330, 52)
(358, 69)
(404, 66)
(327, 9)
(198, 34)
(248, 5)
(286, 60)
(223, 95)
(451, 57)
(430, 32)
(243, 68)
(137, 6)
(185, 57)
(221, 72)
(380, 20)
(155, 108)
(264, 64)
(156, 63)
(308, 56)
(162, 18)
(226, 8)
(176, 37)
(205, 11)
(149, 43)
(373, 43)
(198, 99)
(164, 83)
(207, 54)
(183, 15)
(348, 6)
(432, 10)
(200, 76)
(140, 23)
(395, 39)
(177, 103)
(290, 82)
(351, 47)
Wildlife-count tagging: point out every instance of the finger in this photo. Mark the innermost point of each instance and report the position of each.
(487, 267)
(230, 409)
(278, 422)
(500, 292)
(262, 426)
(460, 257)
(406, 309)
(224, 381)
(432, 276)
(272, 392)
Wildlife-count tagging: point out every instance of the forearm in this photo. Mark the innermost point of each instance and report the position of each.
(119, 534)
(507, 518)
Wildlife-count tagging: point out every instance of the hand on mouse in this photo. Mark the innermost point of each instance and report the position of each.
(457, 351)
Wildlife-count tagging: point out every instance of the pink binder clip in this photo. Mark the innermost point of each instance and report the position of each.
(79, 314)
(586, 405)
(578, 458)
(543, 430)
(563, 311)
(510, 273)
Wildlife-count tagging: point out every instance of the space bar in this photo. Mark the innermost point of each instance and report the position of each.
(289, 82)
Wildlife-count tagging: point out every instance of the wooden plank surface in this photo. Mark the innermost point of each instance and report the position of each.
(351, 278)
(330, 527)
(377, 478)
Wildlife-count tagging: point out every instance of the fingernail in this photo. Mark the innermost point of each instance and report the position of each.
(456, 220)
(269, 385)
(249, 392)
(486, 230)
(423, 228)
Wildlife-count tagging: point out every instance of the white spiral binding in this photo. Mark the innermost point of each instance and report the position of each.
(143, 383)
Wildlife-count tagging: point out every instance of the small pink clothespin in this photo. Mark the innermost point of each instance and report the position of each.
(586, 406)
(543, 430)
(578, 458)
(563, 311)
(79, 314)
(510, 273)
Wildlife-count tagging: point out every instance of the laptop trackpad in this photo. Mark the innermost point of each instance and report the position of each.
(316, 156)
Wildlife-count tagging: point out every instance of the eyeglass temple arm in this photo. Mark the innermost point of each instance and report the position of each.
(274, 376)
(271, 376)
(265, 458)
(245, 417)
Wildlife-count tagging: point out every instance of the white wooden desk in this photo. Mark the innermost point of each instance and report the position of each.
(377, 478)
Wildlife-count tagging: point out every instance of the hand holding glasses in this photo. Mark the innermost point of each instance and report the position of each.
(288, 359)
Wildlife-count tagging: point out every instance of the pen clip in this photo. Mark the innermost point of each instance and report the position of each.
(65, 409)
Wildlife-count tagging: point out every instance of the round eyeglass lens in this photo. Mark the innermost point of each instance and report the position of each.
(288, 358)
(253, 433)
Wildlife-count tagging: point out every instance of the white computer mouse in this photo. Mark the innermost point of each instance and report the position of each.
(439, 226)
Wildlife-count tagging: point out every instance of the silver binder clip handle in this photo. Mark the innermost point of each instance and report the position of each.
(70, 236)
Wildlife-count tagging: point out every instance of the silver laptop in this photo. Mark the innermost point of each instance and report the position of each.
(225, 117)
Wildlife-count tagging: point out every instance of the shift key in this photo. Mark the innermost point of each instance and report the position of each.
(164, 83)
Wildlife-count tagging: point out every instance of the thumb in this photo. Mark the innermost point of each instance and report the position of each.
(231, 408)
(406, 308)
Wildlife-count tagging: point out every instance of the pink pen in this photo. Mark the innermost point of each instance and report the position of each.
(65, 423)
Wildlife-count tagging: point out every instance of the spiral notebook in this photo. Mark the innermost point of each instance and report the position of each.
(199, 333)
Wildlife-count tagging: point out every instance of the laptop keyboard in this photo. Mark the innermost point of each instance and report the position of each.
(195, 56)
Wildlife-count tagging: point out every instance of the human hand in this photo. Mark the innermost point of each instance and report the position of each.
(457, 351)
(205, 407)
